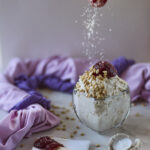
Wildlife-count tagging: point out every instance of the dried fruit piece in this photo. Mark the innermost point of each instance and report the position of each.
(42, 142)
(47, 143)
(98, 3)
(104, 68)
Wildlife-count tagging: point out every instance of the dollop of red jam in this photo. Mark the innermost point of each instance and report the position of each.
(98, 3)
(105, 66)
(47, 143)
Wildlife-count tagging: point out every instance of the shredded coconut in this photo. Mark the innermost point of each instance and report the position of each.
(93, 32)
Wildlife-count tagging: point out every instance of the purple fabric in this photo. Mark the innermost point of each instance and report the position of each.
(64, 68)
(30, 84)
(12, 97)
(121, 64)
(138, 79)
(10, 94)
(19, 124)
(51, 82)
(33, 98)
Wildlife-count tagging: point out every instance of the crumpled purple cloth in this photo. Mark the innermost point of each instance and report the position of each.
(34, 97)
(121, 64)
(51, 82)
(138, 79)
(18, 124)
(12, 97)
(64, 68)
(30, 84)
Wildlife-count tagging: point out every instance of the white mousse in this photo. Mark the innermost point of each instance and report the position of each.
(103, 114)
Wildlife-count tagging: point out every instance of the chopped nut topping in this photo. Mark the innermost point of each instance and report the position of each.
(137, 115)
(63, 112)
(55, 107)
(70, 104)
(98, 145)
(63, 129)
(58, 129)
(67, 118)
(58, 115)
(98, 86)
(93, 89)
(67, 110)
(21, 145)
(73, 119)
(82, 134)
(144, 104)
(52, 111)
(64, 126)
(74, 132)
(71, 136)
(63, 137)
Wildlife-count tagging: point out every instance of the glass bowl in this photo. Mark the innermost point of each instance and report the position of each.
(103, 114)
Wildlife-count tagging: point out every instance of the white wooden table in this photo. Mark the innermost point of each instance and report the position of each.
(137, 125)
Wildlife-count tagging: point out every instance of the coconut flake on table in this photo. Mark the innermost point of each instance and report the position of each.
(121, 141)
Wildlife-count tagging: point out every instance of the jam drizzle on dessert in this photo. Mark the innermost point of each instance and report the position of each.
(47, 143)
(104, 66)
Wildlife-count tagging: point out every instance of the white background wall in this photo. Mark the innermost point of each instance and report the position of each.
(38, 28)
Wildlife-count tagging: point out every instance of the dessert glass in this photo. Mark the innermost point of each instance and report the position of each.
(114, 105)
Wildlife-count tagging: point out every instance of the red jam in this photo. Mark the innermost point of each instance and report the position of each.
(94, 1)
(98, 3)
(47, 143)
(105, 66)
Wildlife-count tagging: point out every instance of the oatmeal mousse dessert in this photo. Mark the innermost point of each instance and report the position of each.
(101, 99)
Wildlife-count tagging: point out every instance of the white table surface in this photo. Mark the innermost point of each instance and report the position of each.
(137, 125)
